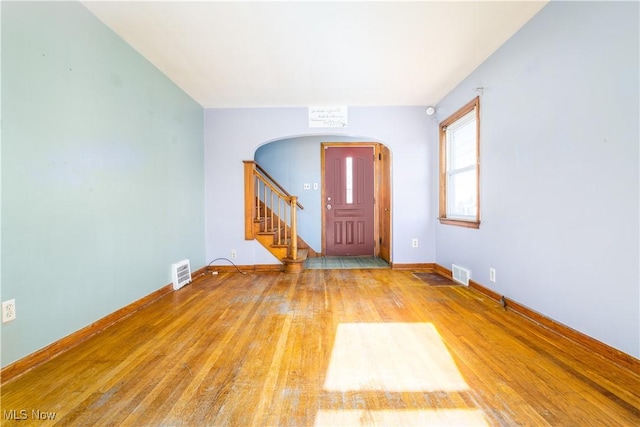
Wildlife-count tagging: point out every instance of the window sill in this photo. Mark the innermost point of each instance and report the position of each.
(460, 222)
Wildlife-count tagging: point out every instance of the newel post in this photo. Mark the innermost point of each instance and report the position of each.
(294, 228)
(249, 198)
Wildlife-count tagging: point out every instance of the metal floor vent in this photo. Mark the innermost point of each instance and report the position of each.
(460, 274)
(181, 274)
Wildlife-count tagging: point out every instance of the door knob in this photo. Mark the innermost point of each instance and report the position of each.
(329, 207)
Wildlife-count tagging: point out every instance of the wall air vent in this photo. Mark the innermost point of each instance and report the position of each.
(460, 274)
(181, 274)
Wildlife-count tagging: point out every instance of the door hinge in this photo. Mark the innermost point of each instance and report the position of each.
(380, 240)
(379, 156)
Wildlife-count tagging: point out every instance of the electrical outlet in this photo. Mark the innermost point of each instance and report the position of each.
(307, 186)
(8, 310)
(234, 254)
(492, 274)
(414, 243)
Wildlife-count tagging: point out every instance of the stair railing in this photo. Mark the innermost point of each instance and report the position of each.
(268, 204)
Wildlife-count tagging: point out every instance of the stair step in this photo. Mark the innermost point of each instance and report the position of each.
(271, 231)
(302, 256)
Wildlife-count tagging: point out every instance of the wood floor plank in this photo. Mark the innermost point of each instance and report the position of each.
(263, 349)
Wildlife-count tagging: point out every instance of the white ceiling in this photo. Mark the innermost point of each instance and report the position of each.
(355, 53)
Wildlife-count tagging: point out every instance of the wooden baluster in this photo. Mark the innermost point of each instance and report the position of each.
(264, 203)
(257, 198)
(280, 201)
(271, 209)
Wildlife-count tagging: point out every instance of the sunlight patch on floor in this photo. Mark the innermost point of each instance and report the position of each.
(436, 417)
(401, 357)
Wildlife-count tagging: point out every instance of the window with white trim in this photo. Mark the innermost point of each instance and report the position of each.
(460, 167)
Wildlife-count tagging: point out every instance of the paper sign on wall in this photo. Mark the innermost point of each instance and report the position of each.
(328, 117)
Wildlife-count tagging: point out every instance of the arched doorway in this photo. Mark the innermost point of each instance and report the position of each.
(296, 162)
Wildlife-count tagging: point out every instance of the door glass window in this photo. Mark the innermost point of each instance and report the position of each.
(349, 180)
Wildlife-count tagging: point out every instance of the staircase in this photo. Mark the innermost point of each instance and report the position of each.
(271, 218)
(272, 238)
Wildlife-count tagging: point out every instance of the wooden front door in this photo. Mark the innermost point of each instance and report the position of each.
(348, 200)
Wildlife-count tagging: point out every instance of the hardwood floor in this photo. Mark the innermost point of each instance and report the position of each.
(325, 347)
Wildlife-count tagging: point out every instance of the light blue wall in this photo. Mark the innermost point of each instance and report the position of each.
(234, 135)
(102, 174)
(559, 160)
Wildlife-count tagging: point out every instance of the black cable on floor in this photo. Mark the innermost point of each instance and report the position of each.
(226, 259)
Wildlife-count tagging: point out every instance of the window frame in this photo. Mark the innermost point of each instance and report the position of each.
(474, 104)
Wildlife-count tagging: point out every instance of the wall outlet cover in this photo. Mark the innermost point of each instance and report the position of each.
(8, 310)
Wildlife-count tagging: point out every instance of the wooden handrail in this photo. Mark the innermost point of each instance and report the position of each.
(273, 188)
(276, 183)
